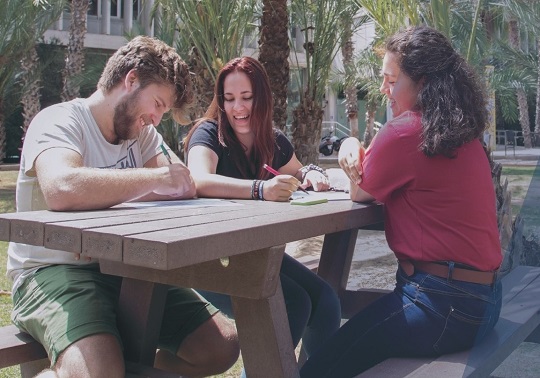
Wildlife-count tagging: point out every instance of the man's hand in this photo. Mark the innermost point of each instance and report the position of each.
(176, 182)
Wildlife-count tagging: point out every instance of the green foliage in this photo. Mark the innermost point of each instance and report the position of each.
(22, 22)
(215, 28)
(317, 21)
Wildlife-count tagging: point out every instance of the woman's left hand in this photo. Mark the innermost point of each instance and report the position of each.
(317, 180)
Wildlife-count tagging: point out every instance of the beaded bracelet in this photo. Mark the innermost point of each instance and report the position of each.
(255, 195)
(261, 196)
(311, 167)
(253, 189)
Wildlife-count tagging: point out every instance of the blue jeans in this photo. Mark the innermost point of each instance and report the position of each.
(313, 308)
(424, 316)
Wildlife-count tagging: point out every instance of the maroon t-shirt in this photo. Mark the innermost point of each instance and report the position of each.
(435, 208)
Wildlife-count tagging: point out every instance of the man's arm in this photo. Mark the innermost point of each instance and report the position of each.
(161, 160)
(68, 185)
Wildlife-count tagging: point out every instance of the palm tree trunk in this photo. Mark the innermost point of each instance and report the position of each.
(203, 83)
(514, 38)
(370, 122)
(75, 49)
(2, 133)
(31, 87)
(306, 126)
(537, 118)
(351, 99)
(274, 54)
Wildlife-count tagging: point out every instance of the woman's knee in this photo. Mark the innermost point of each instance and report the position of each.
(329, 304)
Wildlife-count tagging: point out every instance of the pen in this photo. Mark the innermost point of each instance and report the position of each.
(275, 173)
(166, 153)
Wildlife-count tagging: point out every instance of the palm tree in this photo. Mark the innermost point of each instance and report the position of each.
(368, 68)
(17, 39)
(350, 91)
(528, 13)
(211, 32)
(75, 49)
(274, 54)
(514, 36)
(31, 72)
(317, 21)
(31, 82)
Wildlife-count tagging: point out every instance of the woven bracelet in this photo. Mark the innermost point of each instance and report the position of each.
(256, 189)
(311, 167)
(261, 196)
(253, 189)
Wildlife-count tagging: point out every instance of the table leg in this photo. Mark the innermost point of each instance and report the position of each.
(335, 266)
(140, 312)
(336, 257)
(265, 338)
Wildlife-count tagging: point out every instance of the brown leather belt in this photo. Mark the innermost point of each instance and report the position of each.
(443, 270)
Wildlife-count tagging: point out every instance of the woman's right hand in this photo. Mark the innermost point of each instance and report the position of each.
(351, 154)
(280, 188)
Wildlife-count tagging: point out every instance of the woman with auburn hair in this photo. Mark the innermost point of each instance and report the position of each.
(226, 152)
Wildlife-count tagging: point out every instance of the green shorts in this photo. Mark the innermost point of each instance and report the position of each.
(61, 304)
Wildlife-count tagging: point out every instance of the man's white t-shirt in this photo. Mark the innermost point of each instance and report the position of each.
(67, 125)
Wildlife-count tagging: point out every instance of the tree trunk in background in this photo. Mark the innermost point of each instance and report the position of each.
(202, 82)
(537, 118)
(75, 49)
(2, 132)
(369, 133)
(31, 79)
(306, 126)
(351, 99)
(513, 30)
(274, 55)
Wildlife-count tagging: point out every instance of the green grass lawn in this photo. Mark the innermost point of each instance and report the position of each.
(524, 183)
(519, 179)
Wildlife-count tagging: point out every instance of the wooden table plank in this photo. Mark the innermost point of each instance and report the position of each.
(251, 275)
(107, 242)
(261, 231)
(28, 226)
(67, 236)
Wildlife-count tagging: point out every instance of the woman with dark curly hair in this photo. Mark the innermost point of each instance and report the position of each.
(427, 165)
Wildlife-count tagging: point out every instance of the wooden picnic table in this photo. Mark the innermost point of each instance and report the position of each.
(231, 247)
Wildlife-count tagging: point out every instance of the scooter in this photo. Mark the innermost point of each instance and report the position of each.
(330, 143)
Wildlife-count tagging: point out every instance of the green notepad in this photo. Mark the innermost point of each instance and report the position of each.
(306, 201)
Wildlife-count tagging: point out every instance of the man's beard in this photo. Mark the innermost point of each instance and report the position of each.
(125, 122)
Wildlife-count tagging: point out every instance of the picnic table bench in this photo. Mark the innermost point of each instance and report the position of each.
(519, 321)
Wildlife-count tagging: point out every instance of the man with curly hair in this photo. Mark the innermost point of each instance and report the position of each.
(94, 153)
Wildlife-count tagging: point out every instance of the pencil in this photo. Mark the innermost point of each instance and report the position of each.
(275, 173)
(166, 153)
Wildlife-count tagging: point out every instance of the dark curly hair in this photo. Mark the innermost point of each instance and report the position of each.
(452, 99)
(155, 63)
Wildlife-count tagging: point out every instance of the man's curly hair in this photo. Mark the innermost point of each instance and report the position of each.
(155, 63)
